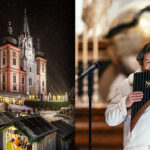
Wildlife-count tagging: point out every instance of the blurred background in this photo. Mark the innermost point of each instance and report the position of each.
(113, 32)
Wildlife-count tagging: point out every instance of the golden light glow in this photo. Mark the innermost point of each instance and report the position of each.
(143, 23)
(46, 97)
(11, 100)
(98, 106)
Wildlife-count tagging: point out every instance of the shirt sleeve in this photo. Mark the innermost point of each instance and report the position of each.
(116, 111)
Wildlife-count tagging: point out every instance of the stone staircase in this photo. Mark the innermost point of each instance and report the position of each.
(103, 136)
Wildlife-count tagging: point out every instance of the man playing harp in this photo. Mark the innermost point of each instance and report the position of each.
(119, 109)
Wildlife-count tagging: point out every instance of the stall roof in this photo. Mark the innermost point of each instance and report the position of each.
(35, 127)
(64, 130)
(6, 118)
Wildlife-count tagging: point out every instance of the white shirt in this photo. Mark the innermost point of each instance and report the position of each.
(116, 113)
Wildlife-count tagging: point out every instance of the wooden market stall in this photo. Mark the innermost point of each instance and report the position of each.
(32, 132)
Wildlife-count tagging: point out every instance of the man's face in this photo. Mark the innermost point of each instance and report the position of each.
(146, 62)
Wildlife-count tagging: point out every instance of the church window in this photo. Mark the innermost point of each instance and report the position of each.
(30, 69)
(42, 83)
(3, 78)
(14, 58)
(14, 61)
(30, 81)
(23, 88)
(43, 89)
(14, 78)
(4, 53)
(4, 87)
(42, 67)
(22, 79)
(14, 88)
(14, 54)
(42, 86)
(4, 60)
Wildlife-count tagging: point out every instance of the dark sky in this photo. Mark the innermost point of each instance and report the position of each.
(53, 22)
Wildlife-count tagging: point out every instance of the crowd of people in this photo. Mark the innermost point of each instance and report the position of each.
(18, 142)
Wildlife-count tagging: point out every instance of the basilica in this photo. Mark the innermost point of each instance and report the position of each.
(23, 70)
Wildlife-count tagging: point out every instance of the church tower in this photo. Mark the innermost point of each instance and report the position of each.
(42, 69)
(12, 78)
(28, 63)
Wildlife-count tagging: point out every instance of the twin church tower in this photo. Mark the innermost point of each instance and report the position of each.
(22, 67)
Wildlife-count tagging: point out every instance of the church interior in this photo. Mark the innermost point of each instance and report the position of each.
(112, 32)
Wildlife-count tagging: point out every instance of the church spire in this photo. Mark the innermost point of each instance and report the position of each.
(26, 26)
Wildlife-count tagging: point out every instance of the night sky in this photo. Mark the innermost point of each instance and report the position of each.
(53, 22)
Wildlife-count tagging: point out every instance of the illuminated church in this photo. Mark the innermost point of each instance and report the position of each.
(22, 67)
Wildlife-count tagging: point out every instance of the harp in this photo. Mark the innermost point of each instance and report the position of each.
(141, 83)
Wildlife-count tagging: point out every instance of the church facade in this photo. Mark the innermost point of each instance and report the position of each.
(22, 67)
